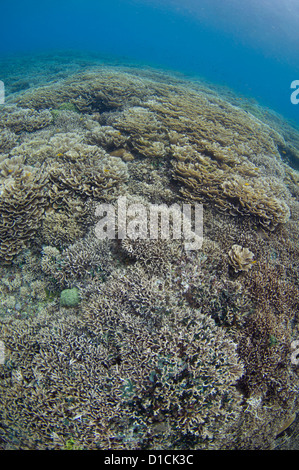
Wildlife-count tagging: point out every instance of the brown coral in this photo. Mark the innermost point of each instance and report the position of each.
(241, 259)
(24, 119)
(230, 193)
(22, 203)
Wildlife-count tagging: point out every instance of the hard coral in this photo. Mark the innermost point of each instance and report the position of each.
(231, 193)
(22, 204)
(24, 119)
(165, 354)
(69, 297)
(241, 259)
(85, 260)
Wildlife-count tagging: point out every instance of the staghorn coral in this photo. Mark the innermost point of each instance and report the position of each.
(265, 347)
(270, 382)
(50, 260)
(155, 255)
(142, 385)
(85, 260)
(38, 289)
(171, 377)
(273, 292)
(60, 228)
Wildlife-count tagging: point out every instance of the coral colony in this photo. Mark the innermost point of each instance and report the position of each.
(149, 280)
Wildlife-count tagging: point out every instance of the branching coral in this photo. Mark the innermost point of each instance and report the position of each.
(145, 361)
(170, 367)
(85, 260)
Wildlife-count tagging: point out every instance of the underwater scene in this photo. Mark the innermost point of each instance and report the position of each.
(149, 235)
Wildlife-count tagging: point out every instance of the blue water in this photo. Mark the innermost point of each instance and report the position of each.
(251, 46)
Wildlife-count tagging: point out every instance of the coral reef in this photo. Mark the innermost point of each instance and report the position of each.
(138, 343)
(167, 386)
(61, 228)
(8, 139)
(37, 191)
(18, 119)
(85, 260)
(229, 192)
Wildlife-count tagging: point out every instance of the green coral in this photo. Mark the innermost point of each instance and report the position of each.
(70, 297)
